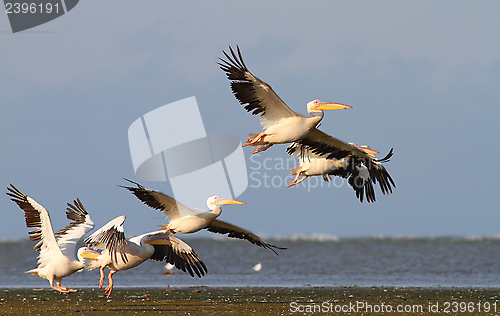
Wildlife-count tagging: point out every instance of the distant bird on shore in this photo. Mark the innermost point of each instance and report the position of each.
(281, 124)
(169, 267)
(257, 267)
(56, 259)
(119, 253)
(185, 220)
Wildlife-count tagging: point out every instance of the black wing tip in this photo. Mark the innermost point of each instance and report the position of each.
(15, 192)
(133, 182)
(188, 262)
(139, 186)
(12, 188)
(387, 157)
(270, 247)
(77, 207)
(233, 60)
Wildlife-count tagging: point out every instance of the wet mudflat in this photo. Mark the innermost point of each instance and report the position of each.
(254, 301)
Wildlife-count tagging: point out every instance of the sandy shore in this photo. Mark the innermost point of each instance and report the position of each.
(254, 301)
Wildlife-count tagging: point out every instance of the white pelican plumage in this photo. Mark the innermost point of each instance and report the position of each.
(119, 253)
(257, 267)
(56, 259)
(281, 124)
(328, 147)
(351, 168)
(184, 220)
(169, 267)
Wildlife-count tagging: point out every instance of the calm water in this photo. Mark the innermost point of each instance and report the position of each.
(312, 261)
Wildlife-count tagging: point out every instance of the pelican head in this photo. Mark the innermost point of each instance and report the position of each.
(317, 106)
(217, 200)
(370, 152)
(87, 253)
(158, 240)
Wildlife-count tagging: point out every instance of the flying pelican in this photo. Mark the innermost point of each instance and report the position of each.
(121, 254)
(57, 252)
(184, 220)
(328, 147)
(350, 168)
(281, 124)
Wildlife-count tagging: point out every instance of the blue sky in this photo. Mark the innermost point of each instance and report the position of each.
(422, 77)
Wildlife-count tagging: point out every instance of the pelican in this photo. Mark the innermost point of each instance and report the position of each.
(257, 267)
(184, 220)
(169, 267)
(328, 147)
(56, 259)
(119, 253)
(351, 168)
(281, 124)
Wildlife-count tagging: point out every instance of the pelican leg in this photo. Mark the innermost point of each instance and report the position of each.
(302, 179)
(101, 280)
(254, 140)
(109, 288)
(261, 148)
(65, 289)
(294, 181)
(58, 287)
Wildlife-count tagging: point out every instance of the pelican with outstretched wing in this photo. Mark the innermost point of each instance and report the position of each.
(281, 124)
(119, 253)
(328, 147)
(56, 259)
(351, 168)
(185, 220)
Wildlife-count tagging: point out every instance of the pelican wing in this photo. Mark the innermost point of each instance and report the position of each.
(302, 152)
(350, 169)
(36, 216)
(360, 183)
(68, 237)
(110, 237)
(233, 231)
(159, 201)
(254, 94)
(358, 178)
(323, 144)
(380, 174)
(178, 253)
